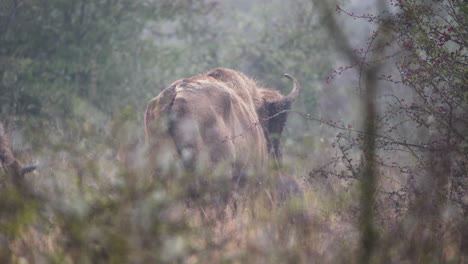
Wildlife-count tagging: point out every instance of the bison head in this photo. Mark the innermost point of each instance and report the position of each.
(272, 112)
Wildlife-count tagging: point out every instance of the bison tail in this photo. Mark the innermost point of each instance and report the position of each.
(156, 110)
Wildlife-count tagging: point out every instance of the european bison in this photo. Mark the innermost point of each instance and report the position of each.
(221, 117)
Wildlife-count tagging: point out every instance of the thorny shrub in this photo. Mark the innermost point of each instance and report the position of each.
(426, 64)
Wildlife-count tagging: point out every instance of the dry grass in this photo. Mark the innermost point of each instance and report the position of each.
(100, 207)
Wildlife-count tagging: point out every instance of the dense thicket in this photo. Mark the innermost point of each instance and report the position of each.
(75, 78)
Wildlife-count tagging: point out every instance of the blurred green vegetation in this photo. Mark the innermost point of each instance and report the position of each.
(117, 53)
(75, 78)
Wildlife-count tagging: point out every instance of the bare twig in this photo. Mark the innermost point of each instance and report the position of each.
(369, 177)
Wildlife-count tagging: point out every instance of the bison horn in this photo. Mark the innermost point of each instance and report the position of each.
(292, 96)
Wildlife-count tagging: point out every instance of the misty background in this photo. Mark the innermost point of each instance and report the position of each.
(76, 77)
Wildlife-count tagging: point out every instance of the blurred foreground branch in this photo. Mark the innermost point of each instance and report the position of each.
(369, 176)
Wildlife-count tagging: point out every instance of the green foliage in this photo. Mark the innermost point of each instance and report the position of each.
(18, 212)
(75, 77)
(54, 51)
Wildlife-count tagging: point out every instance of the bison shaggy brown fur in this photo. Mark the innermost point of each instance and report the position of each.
(221, 117)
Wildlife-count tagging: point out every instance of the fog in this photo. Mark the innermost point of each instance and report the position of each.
(374, 150)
